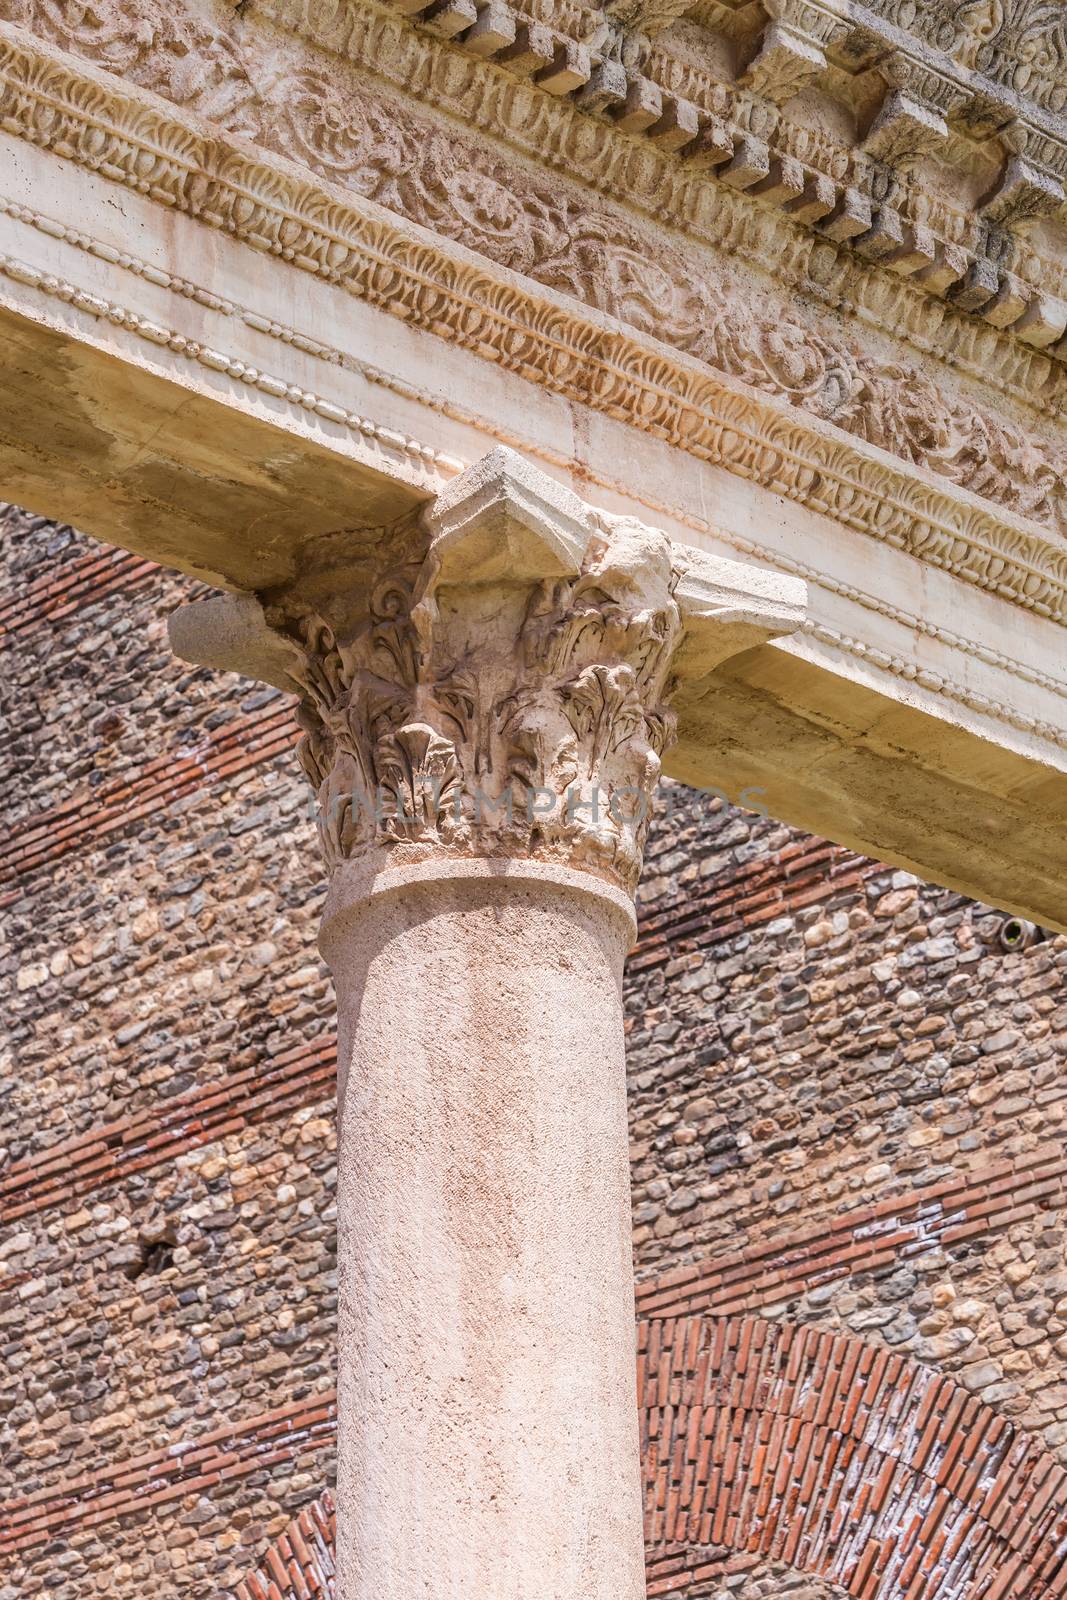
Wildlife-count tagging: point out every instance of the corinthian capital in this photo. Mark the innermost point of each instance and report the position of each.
(493, 674)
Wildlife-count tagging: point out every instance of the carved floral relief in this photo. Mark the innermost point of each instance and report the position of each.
(557, 235)
(164, 48)
(511, 717)
(1019, 43)
(537, 229)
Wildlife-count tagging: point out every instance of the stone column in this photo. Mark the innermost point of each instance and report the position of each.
(485, 694)
(487, 1409)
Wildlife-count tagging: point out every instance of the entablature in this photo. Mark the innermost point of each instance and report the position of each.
(694, 279)
(836, 116)
(218, 357)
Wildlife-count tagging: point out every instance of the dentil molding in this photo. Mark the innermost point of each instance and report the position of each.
(436, 285)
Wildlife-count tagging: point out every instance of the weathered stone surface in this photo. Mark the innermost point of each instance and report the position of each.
(779, 283)
(759, 384)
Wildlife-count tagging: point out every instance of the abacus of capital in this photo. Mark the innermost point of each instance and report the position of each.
(555, 394)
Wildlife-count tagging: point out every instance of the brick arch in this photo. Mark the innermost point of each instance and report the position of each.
(838, 1458)
(730, 1575)
(299, 1564)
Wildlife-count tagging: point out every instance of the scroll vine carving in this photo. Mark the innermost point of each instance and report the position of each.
(496, 718)
(1019, 43)
(188, 59)
(537, 227)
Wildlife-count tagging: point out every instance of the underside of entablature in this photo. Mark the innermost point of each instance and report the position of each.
(221, 362)
(795, 733)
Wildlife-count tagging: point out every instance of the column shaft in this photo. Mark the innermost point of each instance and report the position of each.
(488, 1423)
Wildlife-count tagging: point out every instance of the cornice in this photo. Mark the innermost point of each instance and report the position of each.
(796, 205)
(545, 226)
(130, 137)
(974, 263)
(720, 194)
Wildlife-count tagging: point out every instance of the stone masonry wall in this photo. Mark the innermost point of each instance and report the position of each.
(877, 1086)
(166, 1114)
(847, 1102)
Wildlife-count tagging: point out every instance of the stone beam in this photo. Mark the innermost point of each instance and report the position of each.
(830, 753)
(230, 410)
(164, 461)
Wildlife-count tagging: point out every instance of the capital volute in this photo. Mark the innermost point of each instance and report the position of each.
(495, 674)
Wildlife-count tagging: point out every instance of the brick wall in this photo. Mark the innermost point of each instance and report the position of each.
(852, 1114)
(846, 1095)
(166, 1097)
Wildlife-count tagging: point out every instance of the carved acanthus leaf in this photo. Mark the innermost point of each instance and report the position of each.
(787, 62)
(648, 17)
(536, 225)
(451, 706)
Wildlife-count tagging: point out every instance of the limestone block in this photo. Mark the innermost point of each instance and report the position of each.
(728, 607)
(505, 519)
(229, 632)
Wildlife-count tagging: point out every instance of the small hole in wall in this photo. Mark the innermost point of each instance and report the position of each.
(157, 1258)
(155, 1252)
(1017, 934)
